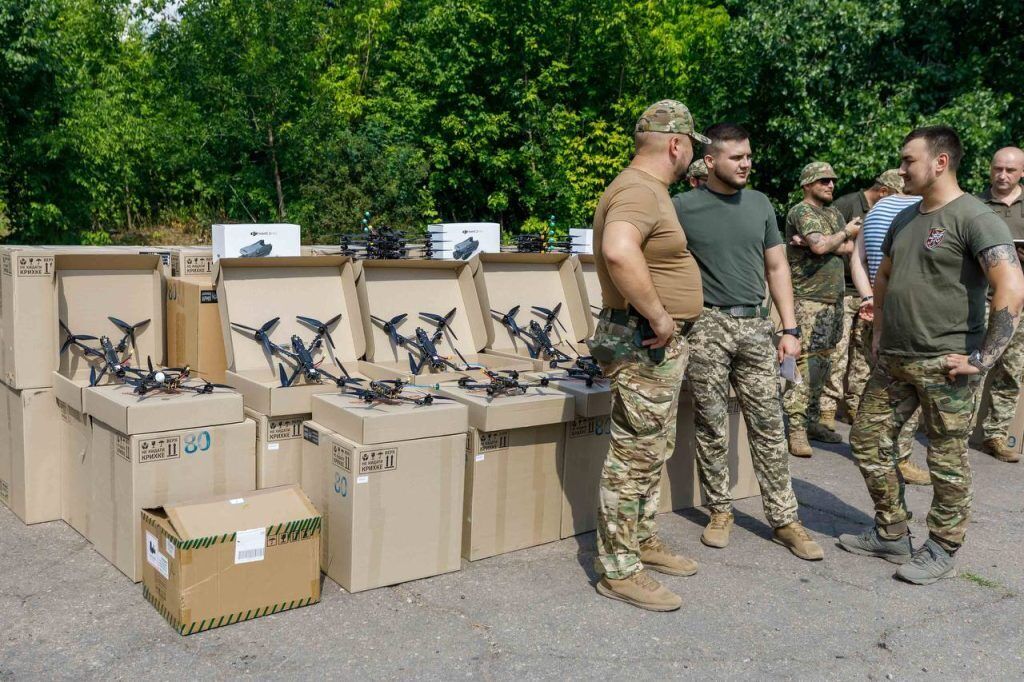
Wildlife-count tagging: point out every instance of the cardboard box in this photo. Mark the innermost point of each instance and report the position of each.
(368, 424)
(256, 240)
(591, 289)
(28, 321)
(278, 449)
(390, 288)
(193, 263)
(586, 447)
(1014, 433)
(229, 558)
(74, 438)
(392, 509)
(581, 240)
(537, 407)
(157, 451)
(462, 241)
(195, 336)
(254, 291)
(513, 496)
(29, 453)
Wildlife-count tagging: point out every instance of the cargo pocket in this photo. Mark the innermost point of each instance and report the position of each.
(954, 407)
(643, 411)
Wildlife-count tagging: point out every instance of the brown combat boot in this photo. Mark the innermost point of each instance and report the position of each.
(640, 590)
(798, 445)
(716, 533)
(913, 474)
(823, 434)
(828, 419)
(657, 557)
(997, 448)
(794, 536)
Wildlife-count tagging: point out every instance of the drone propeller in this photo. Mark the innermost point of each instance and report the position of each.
(550, 315)
(72, 338)
(391, 327)
(442, 323)
(129, 331)
(322, 328)
(285, 381)
(508, 319)
(261, 333)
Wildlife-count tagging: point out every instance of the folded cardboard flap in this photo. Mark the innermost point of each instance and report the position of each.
(225, 514)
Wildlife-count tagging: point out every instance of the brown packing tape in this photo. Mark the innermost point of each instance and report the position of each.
(444, 521)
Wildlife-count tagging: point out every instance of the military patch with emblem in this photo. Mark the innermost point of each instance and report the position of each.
(935, 236)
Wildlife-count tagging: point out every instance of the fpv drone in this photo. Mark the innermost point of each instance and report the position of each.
(424, 344)
(501, 383)
(583, 368)
(389, 392)
(536, 336)
(113, 357)
(168, 380)
(256, 250)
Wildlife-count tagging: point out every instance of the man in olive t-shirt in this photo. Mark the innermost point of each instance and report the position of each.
(734, 235)
(817, 271)
(646, 274)
(940, 258)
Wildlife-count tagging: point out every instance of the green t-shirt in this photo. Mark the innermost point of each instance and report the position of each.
(815, 278)
(935, 300)
(852, 205)
(728, 235)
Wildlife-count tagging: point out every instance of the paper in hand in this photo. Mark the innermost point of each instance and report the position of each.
(788, 370)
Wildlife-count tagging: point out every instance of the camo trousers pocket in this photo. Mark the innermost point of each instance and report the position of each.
(612, 342)
(953, 407)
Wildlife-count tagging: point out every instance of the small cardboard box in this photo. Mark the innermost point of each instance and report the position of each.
(29, 453)
(156, 451)
(229, 558)
(369, 424)
(392, 509)
(193, 263)
(462, 241)
(74, 439)
(278, 448)
(195, 336)
(388, 288)
(256, 240)
(254, 291)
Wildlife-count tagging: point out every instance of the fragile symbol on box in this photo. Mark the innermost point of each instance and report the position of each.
(284, 429)
(7, 264)
(121, 448)
(35, 266)
(158, 449)
(493, 440)
(374, 461)
(341, 457)
(590, 426)
(198, 265)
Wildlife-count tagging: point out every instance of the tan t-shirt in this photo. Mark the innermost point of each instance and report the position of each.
(642, 200)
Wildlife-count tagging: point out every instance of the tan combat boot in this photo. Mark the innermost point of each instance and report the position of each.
(798, 445)
(823, 434)
(716, 534)
(657, 557)
(640, 590)
(794, 536)
(997, 448)
(828, 419)
(913, 474)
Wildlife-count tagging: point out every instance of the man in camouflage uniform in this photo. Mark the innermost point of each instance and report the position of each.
(1006, 197)
(651, 294)
(734, 235)
(817, 273)
(697, 175)
(850, 367)
(932, 346)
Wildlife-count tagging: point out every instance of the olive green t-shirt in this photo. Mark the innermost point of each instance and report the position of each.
(935, 299)
(642, 200)
(815, 278)
(728, 235)
(1012, 215)
(852, 205)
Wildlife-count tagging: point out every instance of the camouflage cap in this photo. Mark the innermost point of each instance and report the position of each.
(891, 179)
(816, 170)
(669, 116)
(698, 169)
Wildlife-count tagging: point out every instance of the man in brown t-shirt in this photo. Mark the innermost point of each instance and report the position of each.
(651, 293)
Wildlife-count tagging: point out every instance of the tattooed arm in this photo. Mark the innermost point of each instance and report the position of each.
(1003, 270)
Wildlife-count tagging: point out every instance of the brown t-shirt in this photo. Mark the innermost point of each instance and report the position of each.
(642, 200)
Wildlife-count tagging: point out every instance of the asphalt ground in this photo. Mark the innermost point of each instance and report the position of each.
(752, 611)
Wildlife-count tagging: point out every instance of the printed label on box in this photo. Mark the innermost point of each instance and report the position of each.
(493, 440)
(209, 296)
(6, 264)
(35, 266)
(170, 548)
(734, 405)
(310, 434)
(122, 448)
(153, 556)
(159, 449)
(590, 426)
(198, 265)
(341, 457)
(250, 545)
(284, 429)
(69, 414)
(374, 461)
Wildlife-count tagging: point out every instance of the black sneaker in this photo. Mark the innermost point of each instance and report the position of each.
(870, 543)
(930, 564)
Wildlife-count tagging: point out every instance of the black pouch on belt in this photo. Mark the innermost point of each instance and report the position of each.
(644, 332)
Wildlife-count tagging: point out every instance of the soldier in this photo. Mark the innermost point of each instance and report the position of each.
(733, 233)
(931, 343)
(697, 175)
(1006, 197)
(817, 274)
(848, 357)
(650, 287)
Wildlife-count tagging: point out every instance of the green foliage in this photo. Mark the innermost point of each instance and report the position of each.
(128, 119)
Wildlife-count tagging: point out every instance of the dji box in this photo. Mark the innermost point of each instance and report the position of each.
(255, 241)
(582, 240)
(461, 241)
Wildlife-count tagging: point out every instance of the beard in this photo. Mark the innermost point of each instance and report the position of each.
(732, 181)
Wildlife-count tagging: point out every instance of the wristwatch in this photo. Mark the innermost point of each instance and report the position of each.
(975, 359)
(795, 332)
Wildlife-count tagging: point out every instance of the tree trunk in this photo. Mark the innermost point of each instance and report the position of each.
(277, 174)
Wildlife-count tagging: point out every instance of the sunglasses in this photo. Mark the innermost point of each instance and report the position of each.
(826, 181)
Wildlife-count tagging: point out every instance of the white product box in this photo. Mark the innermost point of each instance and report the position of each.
(461, 241)
(256, 240)
(582, 240)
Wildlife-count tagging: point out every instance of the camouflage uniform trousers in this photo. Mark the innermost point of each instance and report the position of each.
(820, 328)
(899, 386)
(1004, 388)
(724, 350)
(858, 370)
(850, 367)
(905, 440)
(645, 399)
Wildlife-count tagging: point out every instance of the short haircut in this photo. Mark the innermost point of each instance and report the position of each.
(724, 132)
(940, 140)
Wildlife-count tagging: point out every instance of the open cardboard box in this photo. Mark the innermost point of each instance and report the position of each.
(195, 336)
(591, 288)
(252, 291)
(193, 262)
(507, 280)
(370, 423)
(390, 288)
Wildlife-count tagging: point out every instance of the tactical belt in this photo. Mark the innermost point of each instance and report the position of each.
(741, 310)
(630, 317)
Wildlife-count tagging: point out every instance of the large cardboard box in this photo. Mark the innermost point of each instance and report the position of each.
(156, 451)
(392, 510)
(368, 424)
(252, 291)
(278, 448)
(74, 439)
(28, 321)
(1014, 433)
(29, 455)
(586, 446)
(388, 288)
(591, 289)
(229, 558)
(195, 336)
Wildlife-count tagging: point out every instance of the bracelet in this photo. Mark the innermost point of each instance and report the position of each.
(865, 299)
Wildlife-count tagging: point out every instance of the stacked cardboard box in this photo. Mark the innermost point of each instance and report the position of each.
(195, 337)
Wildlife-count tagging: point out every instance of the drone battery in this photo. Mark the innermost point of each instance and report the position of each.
(278, 448)
(29, 460)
